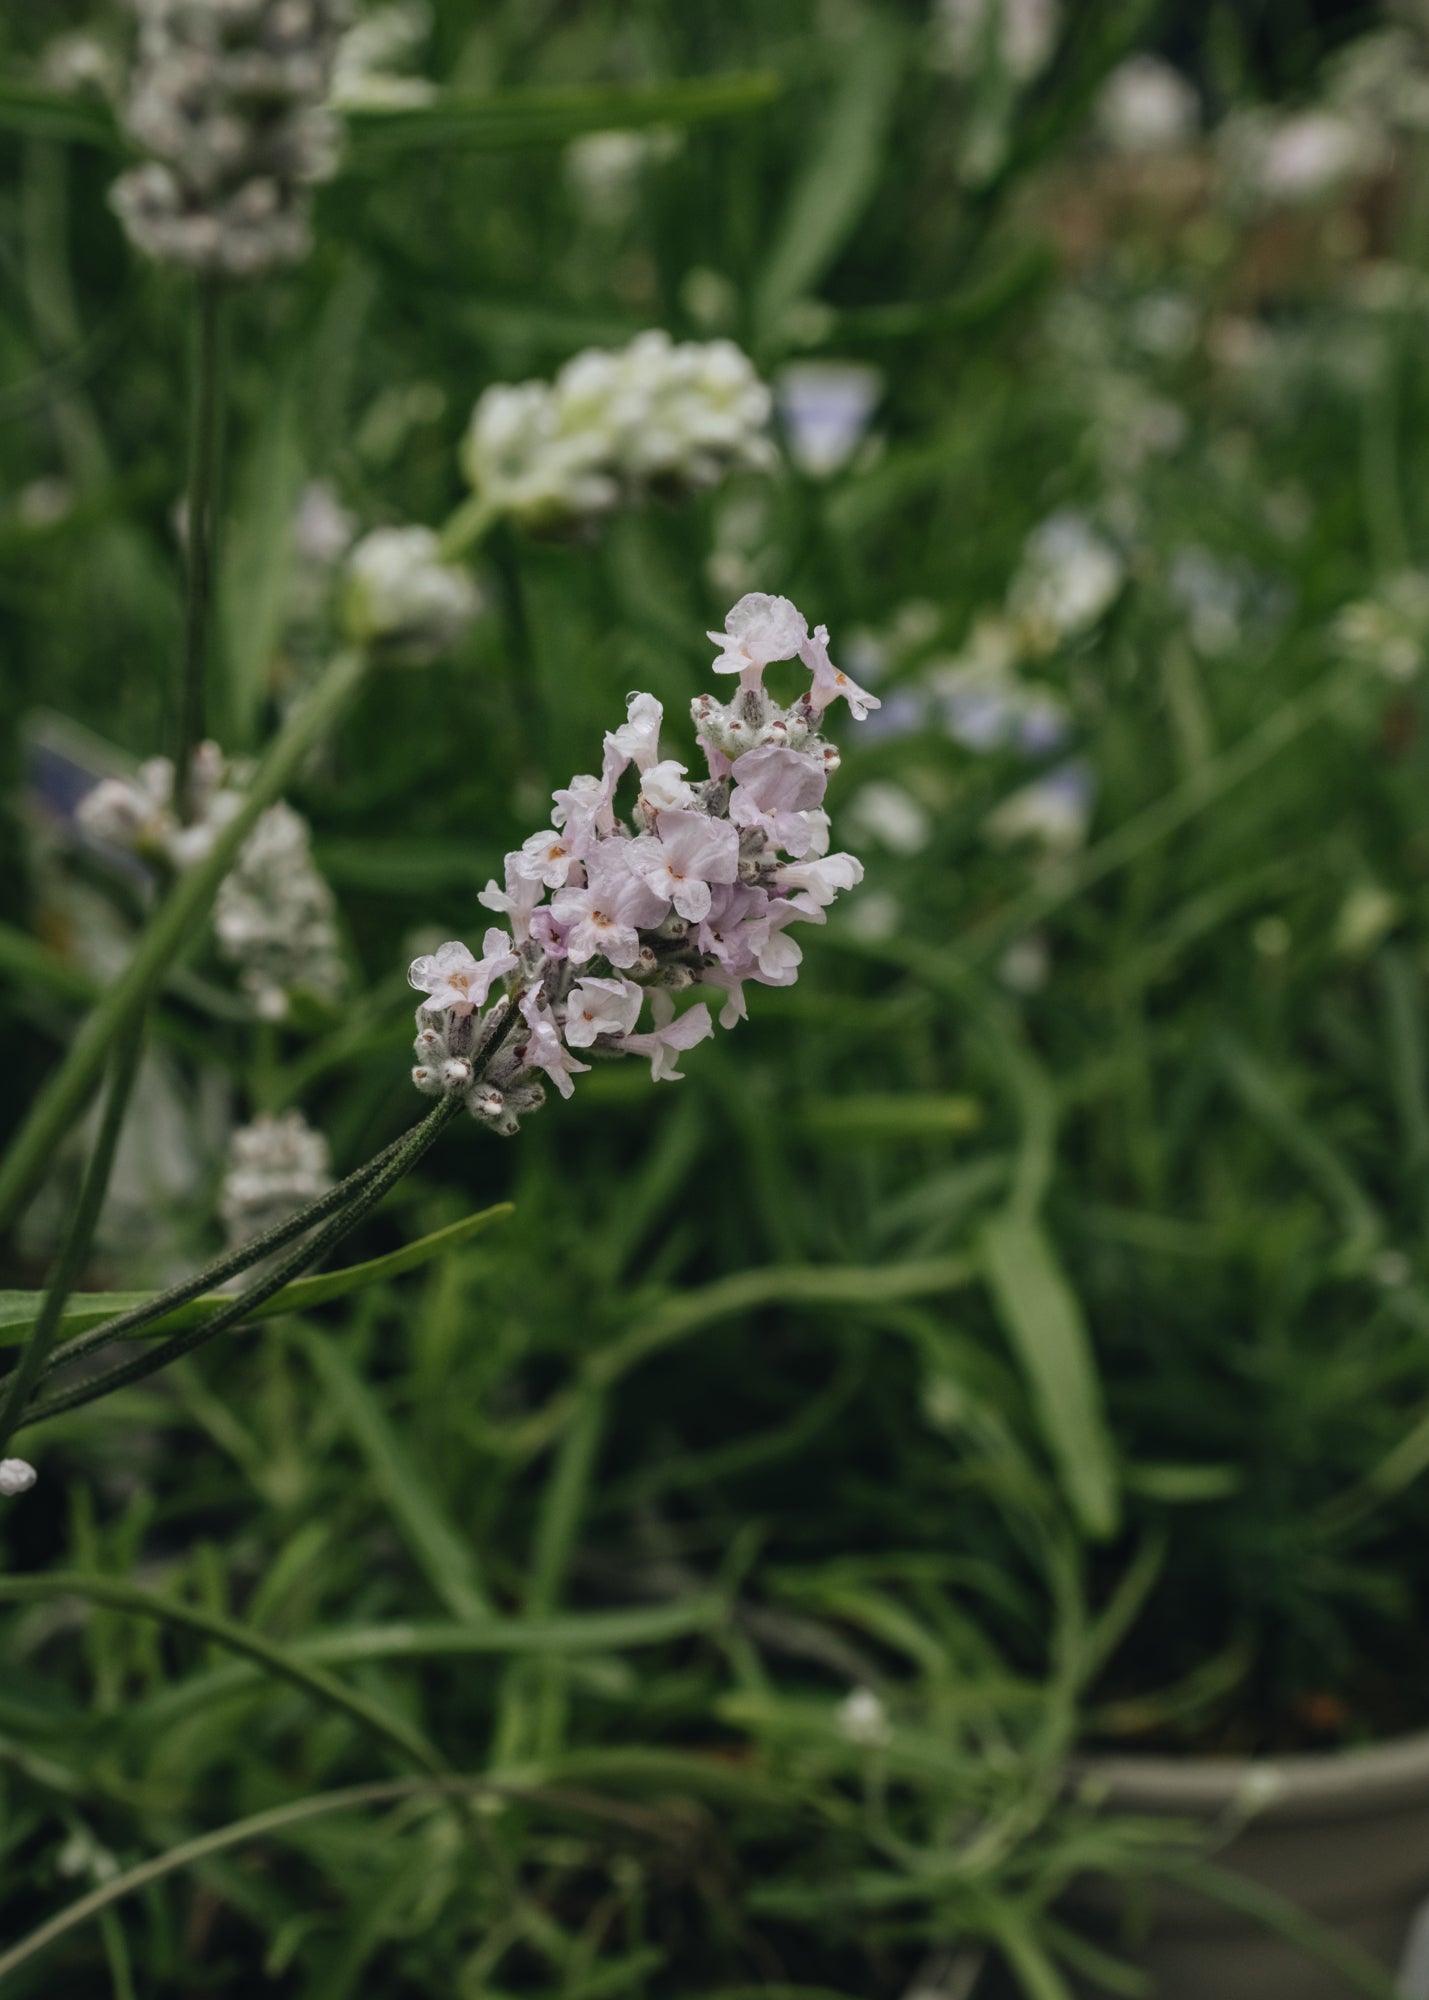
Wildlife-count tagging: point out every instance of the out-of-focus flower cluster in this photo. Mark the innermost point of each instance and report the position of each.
(274, 917)
(141, 813)
(227, 98)
(653, 417)
(275, 1167)
(697, 890)
(401, 598)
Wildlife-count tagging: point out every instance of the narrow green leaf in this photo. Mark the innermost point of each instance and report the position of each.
(513, 119)
(1266, 1101)
(839, 174)
(568, 1635)
(91, 1309)
(869, 1117)
(258, 561)
(56, 114)
(1043, 1321)
(273, 1660)
(446, 1558)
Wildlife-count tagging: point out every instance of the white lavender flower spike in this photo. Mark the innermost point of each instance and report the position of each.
(227, 100)
(612, 427)
(695, 892)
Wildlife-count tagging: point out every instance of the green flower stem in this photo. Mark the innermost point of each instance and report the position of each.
(80, 1234)
(221, 1269)
(164, 939)
(467, 527)
(399, 1161)
(405, 1157)
(201, 524)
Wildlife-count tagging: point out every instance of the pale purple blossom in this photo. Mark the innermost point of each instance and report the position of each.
(690, 852)
(758, 630)
(452, 978)
(606, 916)
(548, 856)
(638, 737)
(663, 788)
(821, 879)
(773, 789)
(830, 682)
(545, 1050)
(670, 1037)
(518, 901)
(601, 1007)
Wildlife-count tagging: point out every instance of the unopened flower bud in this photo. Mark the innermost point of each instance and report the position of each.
(456, 1073)
(427, 1080)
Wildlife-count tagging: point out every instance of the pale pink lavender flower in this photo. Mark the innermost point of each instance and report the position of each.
(452, 978)
(758, 630)
(773, 789)
(601, 1007)
(671, 1036)
(548, 857)
(605, 917)
(690, 852)
(663, 788)
(638, 737)
(699, 887)
(545, 1050)
(829, 681)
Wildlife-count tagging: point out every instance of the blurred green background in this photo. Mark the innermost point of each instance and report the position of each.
(1023, 1317)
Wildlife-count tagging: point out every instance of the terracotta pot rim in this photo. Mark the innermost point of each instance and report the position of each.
(1308, 1785)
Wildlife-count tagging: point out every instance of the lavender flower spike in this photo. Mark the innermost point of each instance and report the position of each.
(695, 889)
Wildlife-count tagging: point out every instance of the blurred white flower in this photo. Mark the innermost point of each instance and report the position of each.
(825, 407)
(275, 1167)
(15, 1477)
(1390, 630)
(275, 918)
(1146, 106)
(1367, 916)
(81, 65)
(861, 1719)
(1278, 160)
(44, 502)
(323, 529)
(366, 71)
(604, 169)
(139, 814)
(1069, 576)
(1054, 811)
(1026, 963)
(227, 101)
(401, 597)
(891, 816)
(613, 426)
(1015, 36)
(1212, 595)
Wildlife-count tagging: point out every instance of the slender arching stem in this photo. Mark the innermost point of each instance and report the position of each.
(80, 1234)
(206, 413)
